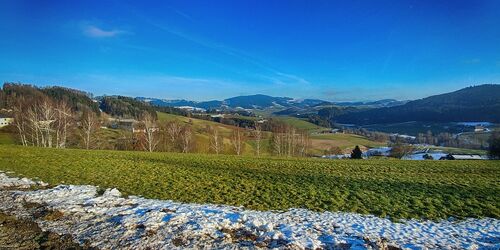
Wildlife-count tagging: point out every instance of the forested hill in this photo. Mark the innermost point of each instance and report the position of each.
(77, 100)
(125, 107)
(13, 94)
(477, 103)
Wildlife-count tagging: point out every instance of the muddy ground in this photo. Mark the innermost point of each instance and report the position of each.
(25, 234)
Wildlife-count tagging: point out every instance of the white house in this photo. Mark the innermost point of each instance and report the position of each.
(4, 121)
(480, 129)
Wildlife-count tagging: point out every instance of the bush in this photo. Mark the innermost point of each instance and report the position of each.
(494, 149)
(428, 157)
(399, 150)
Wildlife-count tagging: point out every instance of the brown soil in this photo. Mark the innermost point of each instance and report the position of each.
(23, 234)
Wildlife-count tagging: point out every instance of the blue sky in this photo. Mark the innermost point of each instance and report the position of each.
(202, 50)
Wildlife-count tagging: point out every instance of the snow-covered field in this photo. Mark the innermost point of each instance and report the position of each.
(109, 220)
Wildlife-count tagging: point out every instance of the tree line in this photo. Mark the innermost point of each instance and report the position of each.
(44, 122)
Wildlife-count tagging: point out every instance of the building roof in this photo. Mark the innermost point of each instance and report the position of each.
(466, 157)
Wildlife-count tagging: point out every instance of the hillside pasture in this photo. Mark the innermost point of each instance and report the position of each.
(346, 142)
(299, 123)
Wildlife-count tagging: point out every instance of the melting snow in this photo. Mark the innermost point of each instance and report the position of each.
(7, 182)
(112, 221)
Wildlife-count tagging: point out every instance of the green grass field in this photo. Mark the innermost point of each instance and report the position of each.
(319, 142)
(299, 123)
(343, 141)
(6, 138)
(395, 188)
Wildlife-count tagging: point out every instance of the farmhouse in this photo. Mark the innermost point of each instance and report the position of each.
(479, 128)
(190, 108)
(127, 124)
(142, 130)
(5, 121)
(330, 131)
(461, 157)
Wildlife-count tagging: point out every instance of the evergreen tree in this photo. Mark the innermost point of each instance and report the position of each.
(356, 153)
(428, 157)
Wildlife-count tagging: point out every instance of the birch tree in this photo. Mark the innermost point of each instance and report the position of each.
(150, 132)
(89, 125)
(238, 141)
(216, 140)
(186, 139)
(20, 120)
(63, 122)
(33, 120)
(47, 119)
(173, 131)
(258, 138)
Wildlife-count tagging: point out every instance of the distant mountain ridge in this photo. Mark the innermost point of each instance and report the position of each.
(260, 101)
(477, 103)
(377, 104)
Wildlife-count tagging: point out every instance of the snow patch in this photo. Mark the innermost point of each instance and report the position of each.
(23, 183)
(112, 221)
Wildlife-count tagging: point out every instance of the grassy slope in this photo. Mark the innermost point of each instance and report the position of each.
(319, 143)
(299, 123)
(400, 189)
(322, 142)
(6, 138)
(344, 141)
(202, 136)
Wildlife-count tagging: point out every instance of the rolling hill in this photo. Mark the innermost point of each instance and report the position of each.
(319, 142)
(477, 103)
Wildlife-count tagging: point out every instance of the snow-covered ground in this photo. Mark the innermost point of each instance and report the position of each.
(8, 182)
(112, 221)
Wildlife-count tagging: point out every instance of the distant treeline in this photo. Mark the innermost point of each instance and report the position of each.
(76, 99)
(125, 107)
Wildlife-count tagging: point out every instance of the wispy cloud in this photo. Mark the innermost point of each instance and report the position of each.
(274, 75)
(183, 14)
(96, 32)
(471, 61)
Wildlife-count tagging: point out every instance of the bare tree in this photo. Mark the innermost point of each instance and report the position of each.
(33, 123)
(399, 150)
(89, 125)
(64, 119)
(150, 132)
(277, 141)
(258, 138)
(20, 120)
(288, 141)
(216, 140)
(303, 143)
(291, 140)
(47, 119)
(173, 130)
(238, 141)
(186, 139)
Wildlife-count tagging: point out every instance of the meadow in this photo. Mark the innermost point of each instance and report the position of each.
(386, 188)
(319, 142)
